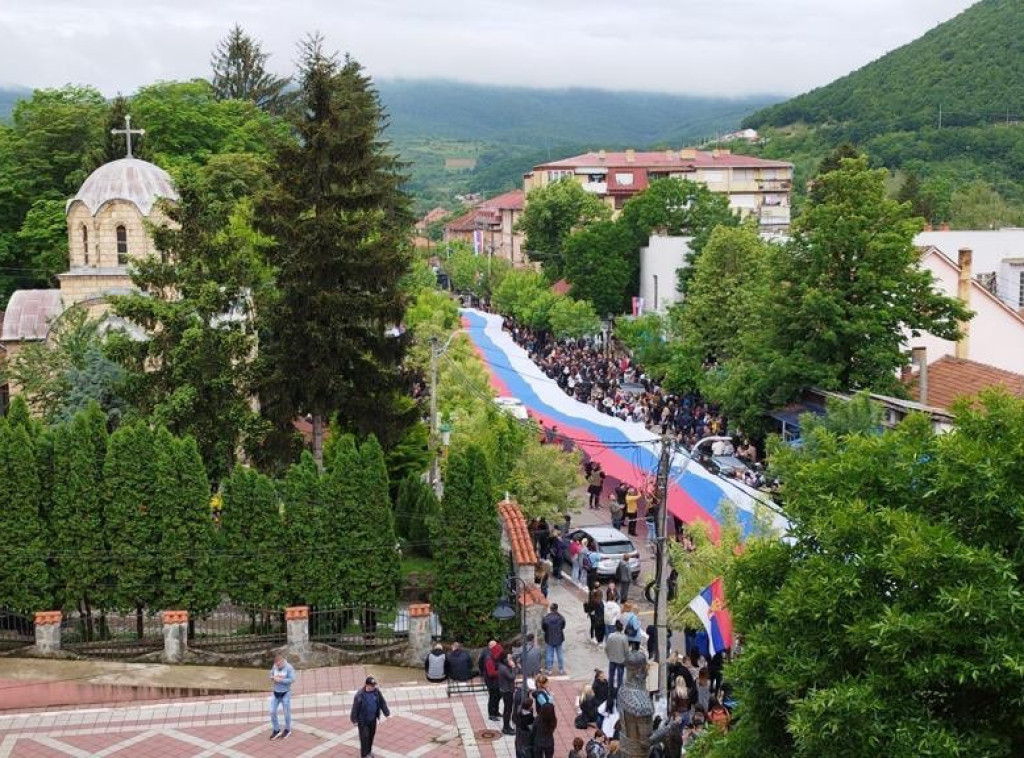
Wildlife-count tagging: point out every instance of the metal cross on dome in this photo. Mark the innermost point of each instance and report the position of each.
(128, 132)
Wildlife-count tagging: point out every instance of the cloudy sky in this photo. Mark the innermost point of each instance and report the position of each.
(725, 47)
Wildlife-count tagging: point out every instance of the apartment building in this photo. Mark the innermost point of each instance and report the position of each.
(490, 227)
(755, 186)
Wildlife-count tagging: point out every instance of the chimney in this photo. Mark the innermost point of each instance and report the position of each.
(670, 155)
(966, 260)
(688, 154)
(919, 358)
(601, 154)
(630, 155)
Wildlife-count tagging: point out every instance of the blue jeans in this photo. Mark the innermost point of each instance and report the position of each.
(552, 651)
(616, 671)
(276, 702)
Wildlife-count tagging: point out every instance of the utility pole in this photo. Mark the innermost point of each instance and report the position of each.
(435, 478)
(661, 607)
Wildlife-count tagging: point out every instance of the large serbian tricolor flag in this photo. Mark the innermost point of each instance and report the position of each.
(709, 606)
(626, 450)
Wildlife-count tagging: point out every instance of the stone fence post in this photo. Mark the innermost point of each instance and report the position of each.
(420, 639)
(47, 629)
(297, 619)
(175, 636)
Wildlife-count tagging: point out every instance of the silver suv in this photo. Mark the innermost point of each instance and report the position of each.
(612, 546)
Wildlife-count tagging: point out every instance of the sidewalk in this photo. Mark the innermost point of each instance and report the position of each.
(424, 722)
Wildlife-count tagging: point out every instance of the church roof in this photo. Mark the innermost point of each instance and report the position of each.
(29, 313)
(128, 179)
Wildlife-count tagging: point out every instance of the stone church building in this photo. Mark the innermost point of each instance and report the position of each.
(107, 229)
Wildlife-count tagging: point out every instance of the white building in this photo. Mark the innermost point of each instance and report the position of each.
(998, 258)
(660, 263)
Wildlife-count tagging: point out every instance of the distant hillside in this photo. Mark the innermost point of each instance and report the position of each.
(8, 97)
(972, 67)
(947, 108)
(455, 110)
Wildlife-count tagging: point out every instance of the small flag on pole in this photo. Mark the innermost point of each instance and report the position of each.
(709, 605)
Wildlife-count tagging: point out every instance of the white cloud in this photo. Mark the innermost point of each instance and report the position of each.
(725, 47)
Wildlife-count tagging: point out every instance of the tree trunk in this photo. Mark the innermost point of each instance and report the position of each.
(318, 440)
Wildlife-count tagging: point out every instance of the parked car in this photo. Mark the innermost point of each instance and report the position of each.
(611, 545)
(513, 406)
(728, 465)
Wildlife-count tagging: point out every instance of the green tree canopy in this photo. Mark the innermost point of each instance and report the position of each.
(254, 546)
(888, 623)
(552, 213)
(602, 263)
(25, 570)
(573, 318)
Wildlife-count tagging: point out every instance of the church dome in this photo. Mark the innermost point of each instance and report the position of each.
(127, 179)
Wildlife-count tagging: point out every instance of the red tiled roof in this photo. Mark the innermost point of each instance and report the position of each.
(464, 223)
(663, 159)
(561, 287)
(514, 200)
(518, 535)
(950, 378)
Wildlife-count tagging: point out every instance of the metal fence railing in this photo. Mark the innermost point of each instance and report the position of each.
(239, 629)
(357, 626)
(17, 630)
(112, 635)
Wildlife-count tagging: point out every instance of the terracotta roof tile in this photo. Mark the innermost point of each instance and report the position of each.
(662, 159)
(950, 378)
(518, 535)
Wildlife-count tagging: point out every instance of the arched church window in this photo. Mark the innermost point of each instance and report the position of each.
(85, 242)
(122, 246)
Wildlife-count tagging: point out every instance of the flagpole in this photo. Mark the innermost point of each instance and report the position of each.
(661, 607)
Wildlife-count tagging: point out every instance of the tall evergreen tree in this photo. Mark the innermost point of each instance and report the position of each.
(343, 488)
(24, 573)
(470, 566)
(189, 575)
(130, 520)
(340, 220)
(76, 521)
(254, 545)
(370, 533)
(195, 301)
(310, 569)
(240, 73)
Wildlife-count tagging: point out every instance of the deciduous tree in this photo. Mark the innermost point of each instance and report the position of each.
(553, 213)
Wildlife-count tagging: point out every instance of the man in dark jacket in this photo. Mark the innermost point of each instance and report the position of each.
(506, 686)
(460, 665)
(367, 707)
(553, 627)
(529, 658)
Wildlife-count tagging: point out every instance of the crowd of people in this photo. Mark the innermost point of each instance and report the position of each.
(611, 382)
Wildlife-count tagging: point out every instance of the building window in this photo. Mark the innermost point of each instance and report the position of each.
(122, 246)
(85, 243)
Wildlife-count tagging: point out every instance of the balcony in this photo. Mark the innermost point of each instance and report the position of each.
(774, 185)
(596, 188)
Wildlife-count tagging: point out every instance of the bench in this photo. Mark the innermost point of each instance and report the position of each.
(466, 688)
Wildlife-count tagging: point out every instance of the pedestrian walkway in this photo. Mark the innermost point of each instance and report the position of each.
(424, 722)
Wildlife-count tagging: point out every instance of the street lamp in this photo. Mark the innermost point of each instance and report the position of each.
(661, 609)
(506, 611)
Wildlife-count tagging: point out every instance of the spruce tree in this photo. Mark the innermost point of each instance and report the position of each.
(416, 510)
(132, 533)
(24, 573)
(239, 72)
(340, 220)
(189, 578)
(77, 518)
(254, 544)
(309, 568)
(471, 570)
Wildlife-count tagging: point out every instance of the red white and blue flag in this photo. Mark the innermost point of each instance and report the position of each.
(709, 605)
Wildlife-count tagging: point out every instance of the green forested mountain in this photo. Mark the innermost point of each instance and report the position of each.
(972, 67)
(944, 111)
(542, 117)
(8, 97)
